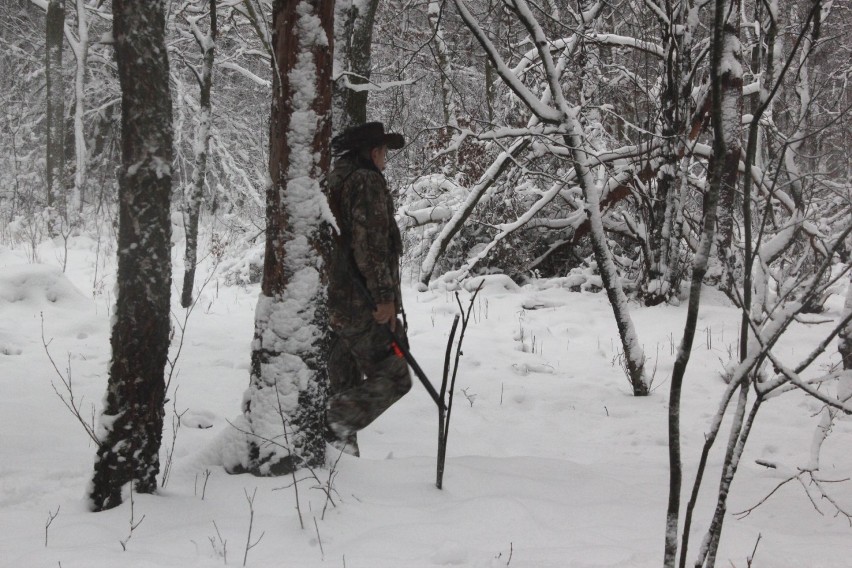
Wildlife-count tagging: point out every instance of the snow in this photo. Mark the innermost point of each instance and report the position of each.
(551, 462)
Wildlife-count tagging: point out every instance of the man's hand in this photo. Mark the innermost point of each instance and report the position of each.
(386, 313)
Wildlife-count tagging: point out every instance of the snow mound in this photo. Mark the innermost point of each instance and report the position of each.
(493, 283)
(36, 286)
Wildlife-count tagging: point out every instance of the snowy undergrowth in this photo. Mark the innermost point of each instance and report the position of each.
(551, 462)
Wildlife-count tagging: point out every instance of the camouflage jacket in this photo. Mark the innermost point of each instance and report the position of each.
(369, 244)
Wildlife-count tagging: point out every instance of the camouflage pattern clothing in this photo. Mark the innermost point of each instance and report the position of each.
(366, 376)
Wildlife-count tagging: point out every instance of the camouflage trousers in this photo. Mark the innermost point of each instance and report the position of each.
(365, 377)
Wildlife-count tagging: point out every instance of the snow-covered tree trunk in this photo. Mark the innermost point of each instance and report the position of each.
(666, 220)
(195, 195)
(284, 406)
(55, 115)
(131, 424)
(354, 21)
(730, 74)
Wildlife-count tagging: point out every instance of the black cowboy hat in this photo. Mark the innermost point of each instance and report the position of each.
(368, 135)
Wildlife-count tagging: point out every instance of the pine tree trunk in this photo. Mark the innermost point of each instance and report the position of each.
(285, 401)
(131, 425)
(202, 145)
(55, 115)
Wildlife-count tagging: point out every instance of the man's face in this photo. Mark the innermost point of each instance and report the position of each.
(379, 157)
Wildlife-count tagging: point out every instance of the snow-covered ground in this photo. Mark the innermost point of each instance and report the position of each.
(552, 463)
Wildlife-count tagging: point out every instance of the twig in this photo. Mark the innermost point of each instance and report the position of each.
(206, 473)
(442, 448)
(249, 543)
(813, 481)
(50, 517)
(319, 538)
(69, 402)
(444, 426)
(176, 423)
(289, 453)
(222, 543)
(750, 559)
(172, 363)
(133, 524)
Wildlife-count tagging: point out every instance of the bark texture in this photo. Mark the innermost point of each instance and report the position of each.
(285, 401)
(730, 76)
(354, 30)
(55, 163)
(131, 424)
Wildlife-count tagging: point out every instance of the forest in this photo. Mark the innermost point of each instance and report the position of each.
(635, 216)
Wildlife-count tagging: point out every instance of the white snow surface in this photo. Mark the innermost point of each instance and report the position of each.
(551, 462)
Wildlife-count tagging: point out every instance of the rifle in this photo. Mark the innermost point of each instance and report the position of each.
(401, 351)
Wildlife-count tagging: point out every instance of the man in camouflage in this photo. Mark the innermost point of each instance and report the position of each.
(366, 376)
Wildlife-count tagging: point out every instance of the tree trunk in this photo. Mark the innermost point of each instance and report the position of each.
(719, 175)
(634, 357)
(81, 52)
(844, 344)
(55, 117)
(354, 31)
(665, 219)
(131, 424)
(201, 147)
(442, 56)
(730, 75)
(285, 401)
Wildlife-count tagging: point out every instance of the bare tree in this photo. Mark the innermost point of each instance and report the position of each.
(194, 197)
(354, 40)
(553, 111)
(765, 316)
(55, 161)
(291, 336)
(131, 423)
(80, 47)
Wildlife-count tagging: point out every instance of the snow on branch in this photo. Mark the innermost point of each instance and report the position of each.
(541, 110)
(616, 40)
(370, 86)
(245, 73)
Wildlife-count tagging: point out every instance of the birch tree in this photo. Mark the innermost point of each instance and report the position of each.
(131, 423)
(284, 406)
